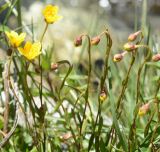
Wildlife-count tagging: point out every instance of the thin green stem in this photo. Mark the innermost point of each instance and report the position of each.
(88, 86)
(41, 70)
(133, 128)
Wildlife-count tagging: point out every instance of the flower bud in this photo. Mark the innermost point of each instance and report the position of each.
(78, 41)
(156, 58)
(54, 66)
(133, 36)
(9, 52)
(95, 40)
(143, 109)
(117, 57)
(103, 96)
(66, 136)
(129, 47)
(37, 69)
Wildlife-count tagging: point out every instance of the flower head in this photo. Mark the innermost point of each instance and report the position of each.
(103, 96)
(129, 47)
(143, 109)
(95, 40)
(50, 14)
(54, 66)
(15, 39)
(156, 58)
(117, 57)
(30, 51)
(78, 41)
(133, 36)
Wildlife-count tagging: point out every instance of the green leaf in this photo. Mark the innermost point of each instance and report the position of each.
(91, 141)
(3, 7)
(116, 125)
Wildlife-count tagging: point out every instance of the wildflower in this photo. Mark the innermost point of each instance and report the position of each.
(54, 66)
(15, 39)
(95, 40)
(133, 36)
(156, 58)
(129, 47)
(78, 41)
(30, 51)
(143, 109)
(102, 96)
(66, 136)
(50, 14)
(117, 57)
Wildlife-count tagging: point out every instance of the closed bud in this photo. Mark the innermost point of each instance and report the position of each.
(103, 96)
(54, 66)
(156, 58)
(9, 52)
(129, 47)
(78, 41)
(37, 69)
(66, 136)
(95, 40)
(117, 57)
(133, 36)
(144, 109)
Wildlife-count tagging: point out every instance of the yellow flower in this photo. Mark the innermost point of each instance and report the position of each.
(50, 14)
(30, 51)
(15, 39)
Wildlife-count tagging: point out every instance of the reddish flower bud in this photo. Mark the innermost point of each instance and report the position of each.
(78, 41)
(54, 66)
(133, 36)
(117, 57)
(95, 40)
(129, 47)
(66, 136)
(156, 58)
(143, 109)
(103, 96)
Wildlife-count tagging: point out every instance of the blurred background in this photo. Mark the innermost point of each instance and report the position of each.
(121, 17)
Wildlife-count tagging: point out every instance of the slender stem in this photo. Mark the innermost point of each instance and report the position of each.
(6, 88)
(104, 75)
(133, 128)
(158, 115)
(140, 69)
(41, 70)
(88, 85)
(125, 82)
(105, 69)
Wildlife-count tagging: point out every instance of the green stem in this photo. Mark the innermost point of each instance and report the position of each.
(125, 82)
(41, 70)
(133, 126)
(88, 85)
(105, 69)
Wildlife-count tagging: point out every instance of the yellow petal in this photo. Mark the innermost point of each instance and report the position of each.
(20, 39)
(14, 39)
(35, 50)
(21, 50)
(27, 46)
